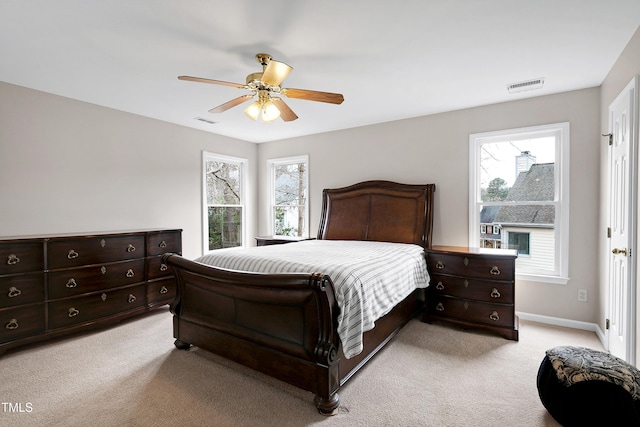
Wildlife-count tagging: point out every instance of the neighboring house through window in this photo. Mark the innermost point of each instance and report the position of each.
(519, 197)
(289, 196)
(223, 183)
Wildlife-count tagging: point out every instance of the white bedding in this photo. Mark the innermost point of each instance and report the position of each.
(370, 278)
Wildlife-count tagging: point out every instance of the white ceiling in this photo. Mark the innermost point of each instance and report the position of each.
(391, 59)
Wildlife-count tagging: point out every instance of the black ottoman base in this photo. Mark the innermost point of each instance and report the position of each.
(588, 403)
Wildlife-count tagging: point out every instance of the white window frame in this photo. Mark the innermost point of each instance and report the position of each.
(208, 156)
(561, 204)
(272, 163)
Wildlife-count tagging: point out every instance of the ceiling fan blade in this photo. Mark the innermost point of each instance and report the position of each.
(215, 82)
(230, 104)
(312, 95)
(286, 113)
(275, 72)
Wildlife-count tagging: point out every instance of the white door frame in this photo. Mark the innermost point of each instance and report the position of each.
(628, 332)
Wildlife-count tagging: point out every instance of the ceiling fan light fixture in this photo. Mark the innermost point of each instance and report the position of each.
(265, 84)
(253, 110)
(269, 111)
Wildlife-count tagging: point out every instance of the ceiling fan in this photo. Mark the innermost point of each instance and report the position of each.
(266, 85)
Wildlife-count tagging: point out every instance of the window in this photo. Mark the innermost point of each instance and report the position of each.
(289, 196)
(223, 201)
(519, 241)
(519, 197)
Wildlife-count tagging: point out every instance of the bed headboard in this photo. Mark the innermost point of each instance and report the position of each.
(380, 211)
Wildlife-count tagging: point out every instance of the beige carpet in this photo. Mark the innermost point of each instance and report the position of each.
(132, 375)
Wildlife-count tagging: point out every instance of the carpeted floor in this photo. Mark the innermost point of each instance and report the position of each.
(132, 375)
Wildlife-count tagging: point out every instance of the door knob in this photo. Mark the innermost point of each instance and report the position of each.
(617, 251)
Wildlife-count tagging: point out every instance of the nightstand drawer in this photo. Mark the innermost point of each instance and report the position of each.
(472, 311)
(485, 267)
(479, 290)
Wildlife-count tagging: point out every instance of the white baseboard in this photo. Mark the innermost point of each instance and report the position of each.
(567, 323)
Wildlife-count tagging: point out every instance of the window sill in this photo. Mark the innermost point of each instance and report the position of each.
(556, 280)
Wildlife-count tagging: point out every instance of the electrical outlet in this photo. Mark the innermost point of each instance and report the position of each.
(582, 295)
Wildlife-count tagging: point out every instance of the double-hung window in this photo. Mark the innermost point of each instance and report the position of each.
(519, 197)
(289, 196)
(224, 210)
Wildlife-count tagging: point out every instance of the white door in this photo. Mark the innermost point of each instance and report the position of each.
(622, 183)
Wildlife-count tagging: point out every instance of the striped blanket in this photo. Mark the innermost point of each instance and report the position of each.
(369, 278)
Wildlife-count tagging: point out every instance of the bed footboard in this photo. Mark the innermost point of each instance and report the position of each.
(283, 325)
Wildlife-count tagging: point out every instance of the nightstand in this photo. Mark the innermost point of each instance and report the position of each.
(279, 240)
(473, 287)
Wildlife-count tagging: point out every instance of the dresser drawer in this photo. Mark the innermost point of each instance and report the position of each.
(75, 311)
(21, 322)
(480, 290)
(484, 267)
(21, 289)
(161, 291)
(472, 311)
(165, 241)
(156, 269)
(21, 256)
(65, 283)
(74, 252)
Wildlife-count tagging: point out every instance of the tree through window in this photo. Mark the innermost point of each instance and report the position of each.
(223, 181)
(289, 196)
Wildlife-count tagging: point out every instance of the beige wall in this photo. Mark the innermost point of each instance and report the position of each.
(435, 149)
(68, 166)
(625, 69)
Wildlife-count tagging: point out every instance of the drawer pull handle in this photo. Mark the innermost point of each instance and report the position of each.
(13, 259)
(103, 270)
(103, 297)
(495, 270)
(440, 286)
(13, 324)
(495, 293)
(132, 298)
(71, 283)
(14, 292)
(72, 254)
(130, 273)
(162, 244)
(164, 290)
(131, 248)
(163, 267)
(494, 316)
(440, 307)
(73, 312)
(439, 265)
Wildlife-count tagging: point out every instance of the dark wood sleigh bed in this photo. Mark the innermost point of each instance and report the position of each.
(285, 325)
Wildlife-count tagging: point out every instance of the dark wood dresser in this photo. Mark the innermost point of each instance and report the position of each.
(55, 285)
(473, 287)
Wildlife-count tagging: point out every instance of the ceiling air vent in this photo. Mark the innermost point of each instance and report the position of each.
(526, 85)
(202, 119)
